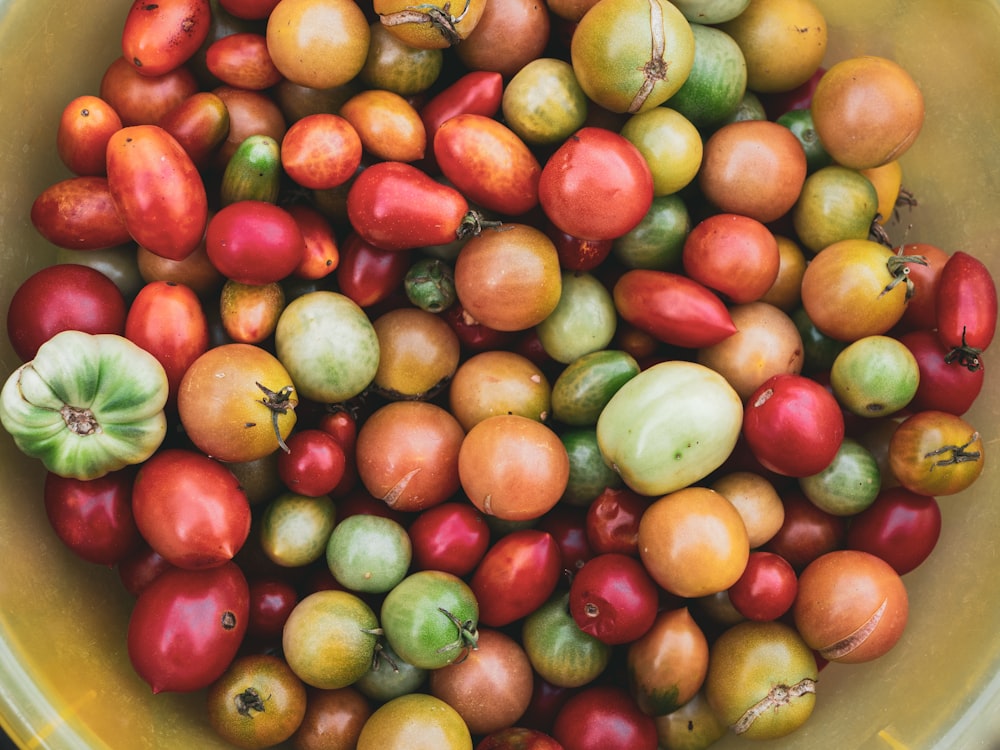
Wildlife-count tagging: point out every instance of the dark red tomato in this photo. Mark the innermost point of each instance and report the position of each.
(673, 308)
(190, 508)
(159, 37)
(62, 297)
(368, 274)
(793, 425)
(139, 569)
(546, 700)
(596, 186)
(806, 532)
(518, 738)
(395, 206)
(901, 527)
(271, 601)
(735, 255)
(603, 717)
(94, 518)
(921, 310)
(342, 426)
(79, 214)
(777, 104)
(613, 598)
(200, 124)
(577, 254)
(158, 190)
(321, 251)
(141, 99)
(249, 9)
(568, 526)
(516, 576)
(613, 521)
(177, 345)
(479, 92)
(452, 537)
(489, 163)
(945, 384)
(966, 307)
(254, 242)
(767, 588)
(187, 626)
(473, 335)
(314, 463)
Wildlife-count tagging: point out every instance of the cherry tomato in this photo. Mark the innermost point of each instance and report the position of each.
(516, 575)
(452, 537)
(921, 310)
(200, 124)
(254, 242)
(242, 60)
(732, 254)
(966, 307)
(321, 151)
(368, 274)
(667, 665)
(85, 127)
(806, 532)
(936, 453)
(602, 717)
(613, 598)
(767, 588)
(613, 521)
(271, 601)
(138, 569)
(901, 527)
(314, 463)
(159, 37)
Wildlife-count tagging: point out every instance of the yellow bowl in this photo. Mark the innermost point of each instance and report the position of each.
(65, 679)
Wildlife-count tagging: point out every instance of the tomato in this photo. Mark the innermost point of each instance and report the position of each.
(596, 185)
(242, 60)
(851, 607)
(901, 527)
(875, 376)
(200, 124)
(62, 297)
(432, 25)
(392, 65)
(159, 37)
(613, 598)
(613, 521)
(249, 312)
(735, 255)
(249, 9)
(691, 726)
(138, 569)
(254, 242)
(93, 518)
(921, 310)
(559, 651)
(836, 204)
(477, 92)
(793, 425)
(806, 531)
(333, 720)
(253, 172)
(79, 214)
(767, 588)
(717, 82)
(491, 687)
(294, 529)
(195, 271)
(516, 576)
(271, 601)
(388, 125)
(314, 463)
(322, 254)
(452, 537)
(583, 321)
(943, 384)
(368, 554)
(601, 717)
(518, 738)
(418, 354)
(757, 500)
(367, 274)
(671, 145)
(85, 126)
(966, 303)
(250, 113)
(416, 721)
(586, 385)
(318, 44)
(543, 102)
(667, 665)
(321, 151)
(187, 626)
(142, 99)
(936, 453)
(257, 703)
(430, 619)
(158, 190)
(488, 163)
(800, 122)
(849, 484)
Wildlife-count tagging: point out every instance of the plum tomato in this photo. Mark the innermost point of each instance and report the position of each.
(79, 213)
(767, 588)
(242, 60)
(159, 37)
(966, 304)
(944, 384)
(516, 576)
(613, 598)
(936, 453)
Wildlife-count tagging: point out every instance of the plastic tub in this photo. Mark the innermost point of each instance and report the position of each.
(65, 679)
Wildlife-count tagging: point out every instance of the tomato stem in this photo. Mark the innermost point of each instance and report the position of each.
(967, 356)
(279, 402)
(473, 224)
(959, 454)
(439, 18)
(900, 272)
(468, 636)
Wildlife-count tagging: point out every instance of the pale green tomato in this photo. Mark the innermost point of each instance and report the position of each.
(328, 345)
(848, 485)
(711, 11)
(295, 529)
(670, 144)
(87, 404)
(543, 103)
(369, 553)
(670, 426)
(583, 321)
(875, 376)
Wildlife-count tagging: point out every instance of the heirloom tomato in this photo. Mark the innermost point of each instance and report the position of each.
(518, 738)
(415, 721)
(767, 588)
(806, 531)
(333, 720)
(249, 312)
(159, 37)
(901, 527)
(561, 653)
(79, 213)
(601, 717)
(271, 601)
(254, 242)
(367, 274)
(143, 99)
(321, 151)
(388, 125)
(242, 60)
(944, 384)
(667, 665)
(368, 554)
(314, 464)
(516, 576)
(430, 25)
(200, 124)
(936, 453)
(717, 82)
(966, 303)
(732, 254)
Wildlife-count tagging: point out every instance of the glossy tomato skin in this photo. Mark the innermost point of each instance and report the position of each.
(945, 384)
(767, 588)
(613, 521)
(272, 599)
(901, 527)
(368, 274)
(242, 60)
(158, 190)
(806, 531)
(187, 626)
(254, 242)
(142, 99)
(79, 214)
(477, 92)
(85, 126)
(94, 517)
(452, 537)
(59, 298)
(732, 254)
(516, 575)
(966, 305)
(314, 463)
(159, 37)
(602, 717)
(613, 598)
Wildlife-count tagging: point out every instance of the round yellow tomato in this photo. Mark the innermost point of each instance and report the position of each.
(415, 721)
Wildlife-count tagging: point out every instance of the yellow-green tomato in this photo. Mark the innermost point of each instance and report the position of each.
(543, 103)
(693, 726)
(584, 320)
(670, 144)
(670, 426)
(875, 376)
(761, 679)
(295, 529)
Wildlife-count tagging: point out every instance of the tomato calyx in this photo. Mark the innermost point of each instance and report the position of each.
(777, 696)
(279, 402)
(473, 224)
(965, 355)
(247, 701)
(468, 637)
(878, 232)
(655, 69)
(900, 272)
(959, 454)
(439, 18)
(430, 285)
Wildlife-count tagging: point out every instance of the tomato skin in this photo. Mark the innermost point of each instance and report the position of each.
(159, 37)
(175, 346)
(368, 274)
(478, 92)
(936, 453)
(673, 308)
(242, 60)
(200, 124)
(806, 532)
(158, 190)
(254, 242)
(601, 717)
(944, 385)
(314, 463)
(966, 305)
(767, 588)
(85, 126)
(612, 521)
(395, 206)
(613, 598)
(901, 527)
(187, 626)
(517, 574)
(141, 99)
(79, 214)
(452, 537)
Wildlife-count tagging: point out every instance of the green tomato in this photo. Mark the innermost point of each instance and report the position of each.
(543, 103)
(390, 676)
(657, 241)
(589, 476)
(819, 350)
(294, 529)
(558, 650)
(711, 11)
(87, 404)
(718, 79)
(670, 144)
(369, 553)
(670, 426)
(848, 485)
(583, 320)
(584, 388)
(328, 345)
(836, 203)
(875, 376)
(800, 122)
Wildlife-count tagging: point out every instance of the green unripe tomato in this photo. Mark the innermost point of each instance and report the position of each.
(718, 79)
(836, 203)
(543, 103)
(875, 376)
(848, 485)
(369, 553)
(583, 321)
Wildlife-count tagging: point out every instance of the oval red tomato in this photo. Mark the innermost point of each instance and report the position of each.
(516, 576)
(901, 527)
(159, 37)
(254, 242)
(452, 537)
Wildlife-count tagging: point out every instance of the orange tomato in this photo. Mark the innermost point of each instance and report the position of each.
(389, 126)
(321, 151)
(85, 127)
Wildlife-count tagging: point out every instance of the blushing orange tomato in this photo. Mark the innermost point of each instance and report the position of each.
(936, 453)
(321, 151)
(86, 125)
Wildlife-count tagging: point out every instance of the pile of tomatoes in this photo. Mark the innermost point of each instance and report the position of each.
(532, 376)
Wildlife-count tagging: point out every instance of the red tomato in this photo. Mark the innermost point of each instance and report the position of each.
(518, 573)
(576, 254)
(242, 60)
(79, 214)
(946, 384)
(806, 532)
(478, 92)
(187, 626)
(735, 255)
(767, 588)
(613, 598)
(93, 518)
(62, 297)
(452, 537)
(474, 335)
(567, 525)
(254, 242)
(966, 307)
(321, 254)
(159, 37)
(603, 717)
(158, 190)
(777, 104)
(314, 463)
(271, 601)
(190, 508)
(177, 345)
(141, 99)
(673, 308)
(489, 163)
(596, 185)
(321, 151)
(518, 738)
(342, 426)
(921, 310)
(613, 521)
(139, 569)
(368, 274)
(200, 124)
(901, 527)
(395, 206)
(85, 126)
(793, 425)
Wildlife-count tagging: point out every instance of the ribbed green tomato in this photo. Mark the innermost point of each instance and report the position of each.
(87, 404)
